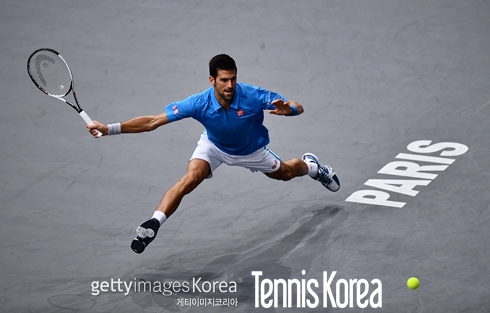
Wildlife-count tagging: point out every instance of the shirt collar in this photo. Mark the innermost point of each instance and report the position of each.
(234, 104)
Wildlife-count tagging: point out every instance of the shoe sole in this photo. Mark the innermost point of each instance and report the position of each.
(138, 246)
(335, 178)
(144, 236)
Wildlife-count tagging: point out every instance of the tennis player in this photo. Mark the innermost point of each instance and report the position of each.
(232, 114)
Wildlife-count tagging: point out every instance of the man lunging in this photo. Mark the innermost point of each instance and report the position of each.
(232, 114)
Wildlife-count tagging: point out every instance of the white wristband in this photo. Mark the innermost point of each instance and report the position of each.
(114, 129)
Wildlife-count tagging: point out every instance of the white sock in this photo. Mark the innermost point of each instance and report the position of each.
(159, 215)
(312, 169)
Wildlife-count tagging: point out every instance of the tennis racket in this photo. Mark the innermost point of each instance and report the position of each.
(51, 74)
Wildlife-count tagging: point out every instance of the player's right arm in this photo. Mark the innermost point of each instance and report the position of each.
(135, 125)
(173, 112)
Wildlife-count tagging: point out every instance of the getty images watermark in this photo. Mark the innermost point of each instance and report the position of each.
(196, 287)
(284, 293)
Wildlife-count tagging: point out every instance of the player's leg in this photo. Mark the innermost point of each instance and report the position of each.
(197, 171)
(205, 159)
(289, 169)
(295, 167)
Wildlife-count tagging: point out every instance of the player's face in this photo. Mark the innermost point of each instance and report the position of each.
(224, 86)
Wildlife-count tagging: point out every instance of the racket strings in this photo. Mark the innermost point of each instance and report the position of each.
(50, 73)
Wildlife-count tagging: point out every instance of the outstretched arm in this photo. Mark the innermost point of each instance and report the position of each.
(285, 108)
(135, 125)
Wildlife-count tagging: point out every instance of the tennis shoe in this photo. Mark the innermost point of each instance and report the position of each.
(145, 234)
(326, 174)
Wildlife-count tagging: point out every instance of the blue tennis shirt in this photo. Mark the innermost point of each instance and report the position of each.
(238, 131)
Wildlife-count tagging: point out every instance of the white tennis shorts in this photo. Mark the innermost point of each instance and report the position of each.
(262, 160)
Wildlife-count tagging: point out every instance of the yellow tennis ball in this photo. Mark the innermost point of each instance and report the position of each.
(413, 283)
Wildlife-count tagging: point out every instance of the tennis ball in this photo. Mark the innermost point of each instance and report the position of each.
(413, 283)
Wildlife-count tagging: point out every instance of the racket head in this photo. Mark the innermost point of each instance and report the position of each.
(50, 72)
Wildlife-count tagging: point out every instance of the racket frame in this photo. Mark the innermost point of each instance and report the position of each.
(76, 107)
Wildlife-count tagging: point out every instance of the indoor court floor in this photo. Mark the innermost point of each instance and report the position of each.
(397, 101)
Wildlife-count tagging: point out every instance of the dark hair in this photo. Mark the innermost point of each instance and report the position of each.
(221, 62)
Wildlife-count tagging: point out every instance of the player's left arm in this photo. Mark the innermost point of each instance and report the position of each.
(288, 108)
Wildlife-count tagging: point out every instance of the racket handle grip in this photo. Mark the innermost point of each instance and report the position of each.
(88, 121)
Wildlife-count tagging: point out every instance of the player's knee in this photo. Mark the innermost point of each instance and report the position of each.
(193, 177)
(191, 180)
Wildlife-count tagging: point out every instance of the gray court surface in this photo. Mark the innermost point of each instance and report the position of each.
(397, 100)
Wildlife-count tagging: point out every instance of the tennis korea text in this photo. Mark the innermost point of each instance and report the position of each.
(313, 293)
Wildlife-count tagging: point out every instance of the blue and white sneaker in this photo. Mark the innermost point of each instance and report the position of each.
(326, 174)
(145, 234)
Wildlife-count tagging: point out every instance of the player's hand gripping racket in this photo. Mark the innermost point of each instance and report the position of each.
(51, 74)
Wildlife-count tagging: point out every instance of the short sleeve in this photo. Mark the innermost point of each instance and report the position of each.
(266, 97)
(180, 109)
